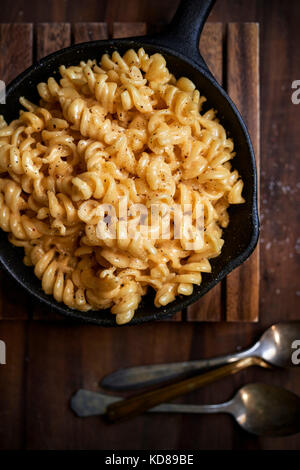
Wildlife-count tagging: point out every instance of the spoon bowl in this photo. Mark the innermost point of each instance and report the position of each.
(266, 410)
(275, 345)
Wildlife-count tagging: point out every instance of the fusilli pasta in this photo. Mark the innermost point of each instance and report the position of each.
(122, 131)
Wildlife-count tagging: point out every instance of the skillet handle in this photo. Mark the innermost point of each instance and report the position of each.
(183, 33)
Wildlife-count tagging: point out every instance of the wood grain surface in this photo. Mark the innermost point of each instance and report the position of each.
(243, 88)
(48, 361)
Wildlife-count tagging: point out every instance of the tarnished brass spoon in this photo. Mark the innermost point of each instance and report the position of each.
(138, 404)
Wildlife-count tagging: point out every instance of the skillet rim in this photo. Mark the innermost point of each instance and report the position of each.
(229, 266)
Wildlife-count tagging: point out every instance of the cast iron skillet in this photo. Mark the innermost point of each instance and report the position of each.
(179, 45)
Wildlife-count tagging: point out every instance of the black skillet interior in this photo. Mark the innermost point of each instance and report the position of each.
(241, 235)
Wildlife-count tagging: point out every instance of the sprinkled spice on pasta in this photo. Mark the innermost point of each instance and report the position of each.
(124, 128)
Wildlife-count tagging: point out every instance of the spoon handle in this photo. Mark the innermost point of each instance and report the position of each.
(86, 403)
(136, 405)
(142, 376)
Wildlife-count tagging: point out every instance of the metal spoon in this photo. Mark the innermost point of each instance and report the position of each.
(274, 346)
(258, 408)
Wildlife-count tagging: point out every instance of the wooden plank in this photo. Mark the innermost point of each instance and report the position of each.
(209, 307)
(243, 88)
(15, 49)
(64, 358)
(12, 378)
(83, 32)
(125, 30)
(51, 37)
(211, 48)
(15, 56)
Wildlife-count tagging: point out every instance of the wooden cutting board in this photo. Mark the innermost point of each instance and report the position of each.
(232, 53)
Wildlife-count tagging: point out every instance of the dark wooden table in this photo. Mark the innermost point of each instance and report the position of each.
(48, 359)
